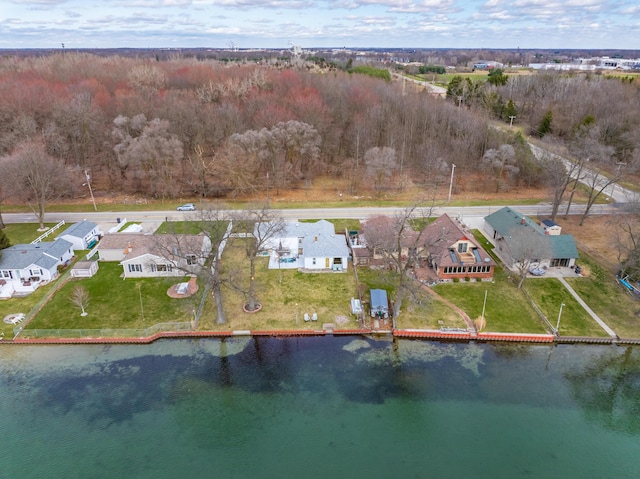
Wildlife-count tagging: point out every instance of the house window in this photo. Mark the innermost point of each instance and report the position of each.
(6, 274)
(462, 247)
(313, 261)
(191, 259)
(162, 267)
(135, 268)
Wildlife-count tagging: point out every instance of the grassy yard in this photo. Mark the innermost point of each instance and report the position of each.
(608, 300)
(507, 309)
(115, 303)
(279, 291)
(20, 305)
(419, 312)
(24, 233)
(549, 294)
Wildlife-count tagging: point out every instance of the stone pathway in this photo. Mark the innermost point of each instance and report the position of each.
(586, 307)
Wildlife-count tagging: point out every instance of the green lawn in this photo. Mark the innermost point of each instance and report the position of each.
(115, 303)
(20, 305)
(507, 308)
(24, 233)
(179, 227)
(549, 294)
(609, 301)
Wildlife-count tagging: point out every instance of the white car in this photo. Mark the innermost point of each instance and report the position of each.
(187, 207)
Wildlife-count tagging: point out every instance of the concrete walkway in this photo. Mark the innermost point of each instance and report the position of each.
(609, 331)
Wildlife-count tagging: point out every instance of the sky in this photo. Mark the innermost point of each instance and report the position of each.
(548, 24)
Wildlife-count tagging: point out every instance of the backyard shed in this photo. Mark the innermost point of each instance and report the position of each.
(379, 303)
(84, 269)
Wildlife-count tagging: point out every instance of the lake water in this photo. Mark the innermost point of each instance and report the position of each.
(319, 407)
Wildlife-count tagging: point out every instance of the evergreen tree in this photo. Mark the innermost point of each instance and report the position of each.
(497, 77)
(509, 111)
(545, 124)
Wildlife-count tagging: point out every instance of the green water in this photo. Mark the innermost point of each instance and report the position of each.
(319, 407)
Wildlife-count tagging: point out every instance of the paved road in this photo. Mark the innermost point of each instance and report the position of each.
(613, 190)
(467, 214)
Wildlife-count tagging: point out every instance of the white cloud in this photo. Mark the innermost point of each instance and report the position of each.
(402, 23)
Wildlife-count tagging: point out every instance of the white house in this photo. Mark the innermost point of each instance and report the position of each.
(311, 246)
(24, 267)
(83, 235)
(143, 255)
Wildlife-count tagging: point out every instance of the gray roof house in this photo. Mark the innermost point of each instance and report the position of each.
(498, 227)
(311, 246)
(24, 267)
(143, 255)
(83, 235)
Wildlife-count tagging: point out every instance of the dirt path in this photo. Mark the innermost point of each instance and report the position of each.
(461, 313)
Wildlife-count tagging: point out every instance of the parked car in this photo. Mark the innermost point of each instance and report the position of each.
(187, 207)
(536, 271)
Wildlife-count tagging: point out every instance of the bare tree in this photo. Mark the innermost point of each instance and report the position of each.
(380, 164)
(626, 228)
(261, 226)
(80, 298)
(34, 177)
(154, 153)
(527, 248)
(399, 245)
(595, 158)
(559, 174)
(502, 163)
(287, 151)
(214, 223)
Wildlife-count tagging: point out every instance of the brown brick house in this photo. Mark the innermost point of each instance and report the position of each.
(454, 253)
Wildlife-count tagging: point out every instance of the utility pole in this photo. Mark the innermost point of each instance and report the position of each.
(484, 305)
(267, 189)
(139, 285)
(93, 200)
(559, 316)
(453, 168)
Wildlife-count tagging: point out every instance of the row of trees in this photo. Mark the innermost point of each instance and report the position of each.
(200, 128)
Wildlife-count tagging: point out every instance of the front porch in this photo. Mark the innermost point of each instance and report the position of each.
(10, 288)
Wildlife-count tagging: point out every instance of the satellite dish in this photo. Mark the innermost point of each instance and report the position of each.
(486, 260)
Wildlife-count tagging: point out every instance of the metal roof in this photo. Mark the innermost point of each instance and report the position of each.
(379, 299)
(505, 219)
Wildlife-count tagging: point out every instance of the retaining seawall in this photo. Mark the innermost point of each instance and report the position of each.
(437, 335)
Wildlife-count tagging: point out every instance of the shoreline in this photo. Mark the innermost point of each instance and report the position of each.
(419, 334)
